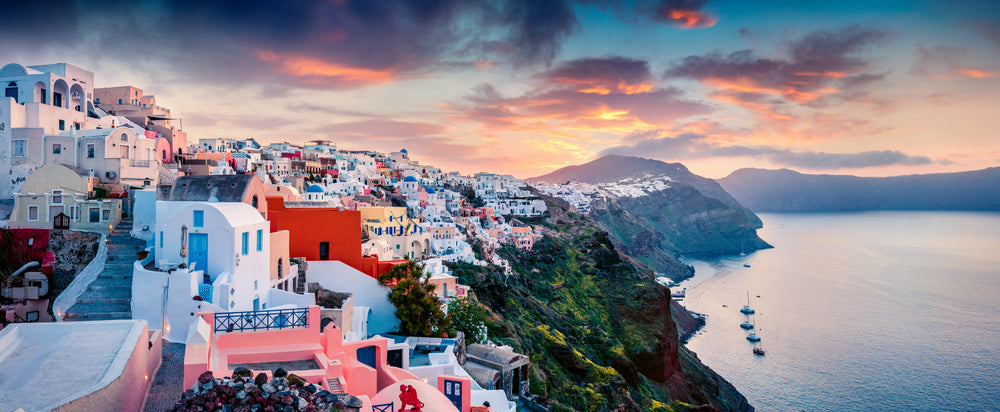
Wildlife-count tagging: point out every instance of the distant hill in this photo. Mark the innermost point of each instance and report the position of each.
(789, 191)
(613, 168)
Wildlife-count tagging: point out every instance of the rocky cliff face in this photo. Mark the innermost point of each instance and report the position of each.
(657, 228)
(598, 328)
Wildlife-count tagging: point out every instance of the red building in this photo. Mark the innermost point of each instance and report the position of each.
(324, 233)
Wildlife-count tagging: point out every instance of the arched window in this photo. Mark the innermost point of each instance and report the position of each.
(281, 267)
(124, 137)
(253, 202)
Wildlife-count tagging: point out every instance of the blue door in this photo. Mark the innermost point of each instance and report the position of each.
(366, 355)
(198, 247)
(256, 304)
(453, 391)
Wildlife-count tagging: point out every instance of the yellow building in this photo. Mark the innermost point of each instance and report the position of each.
(53, 189)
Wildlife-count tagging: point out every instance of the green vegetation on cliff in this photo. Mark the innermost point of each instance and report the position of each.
(598, 330)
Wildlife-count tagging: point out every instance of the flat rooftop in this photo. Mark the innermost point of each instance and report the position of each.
(45, 365)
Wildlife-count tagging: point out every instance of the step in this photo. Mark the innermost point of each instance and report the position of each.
(105, 300)
(100, 307)
(111, 281)
(75, 317)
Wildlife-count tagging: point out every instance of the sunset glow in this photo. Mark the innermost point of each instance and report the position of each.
(524, 86)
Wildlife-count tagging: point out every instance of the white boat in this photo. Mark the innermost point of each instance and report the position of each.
(752, 337)
(746, 324)
(747, 310)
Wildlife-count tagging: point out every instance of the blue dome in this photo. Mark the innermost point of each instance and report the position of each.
(429, 190)
(315, 189)
(403, 151)
(410, 179)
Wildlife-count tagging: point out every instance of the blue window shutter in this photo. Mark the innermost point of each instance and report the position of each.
(246, 243)
(199, 218)
(260, 240)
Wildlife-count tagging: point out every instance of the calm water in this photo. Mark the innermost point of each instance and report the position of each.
(860, 311)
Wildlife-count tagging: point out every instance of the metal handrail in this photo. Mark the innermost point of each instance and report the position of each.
(261, 320)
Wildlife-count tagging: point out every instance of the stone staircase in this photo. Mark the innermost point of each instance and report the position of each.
(109, 296)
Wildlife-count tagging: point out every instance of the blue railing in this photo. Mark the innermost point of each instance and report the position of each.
(261, 320)
(384, 407)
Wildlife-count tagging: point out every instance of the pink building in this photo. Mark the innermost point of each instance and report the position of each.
(224, 341)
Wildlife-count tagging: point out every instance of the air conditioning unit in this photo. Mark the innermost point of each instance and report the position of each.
(111, 174)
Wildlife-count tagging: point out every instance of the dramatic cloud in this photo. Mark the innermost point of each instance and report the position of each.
(691, 145)
(812, 67)
(687, 14)
(319, 44)
(603, 75)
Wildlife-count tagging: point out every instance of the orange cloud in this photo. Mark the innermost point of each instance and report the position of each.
(691, 19)
(973, 73)
(321, 71)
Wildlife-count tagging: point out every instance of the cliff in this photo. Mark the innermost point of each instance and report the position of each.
(692, 215)
(598, 328)
(789, 191)
(614, 168)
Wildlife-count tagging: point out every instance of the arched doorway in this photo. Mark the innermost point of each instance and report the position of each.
(41, 95)
(78, 97)
(60, 93)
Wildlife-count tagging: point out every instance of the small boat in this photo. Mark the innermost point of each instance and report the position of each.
(752, 337)
(746, 265)
(746, 325)
(747, 310)
(759, 351)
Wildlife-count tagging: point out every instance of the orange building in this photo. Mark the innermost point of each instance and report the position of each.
(324, 233)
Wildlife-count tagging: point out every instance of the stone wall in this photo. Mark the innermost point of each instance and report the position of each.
(73, 251)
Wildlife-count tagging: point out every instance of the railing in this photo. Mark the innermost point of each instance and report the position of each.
(384, 407)
(139, 163)
(261, 320)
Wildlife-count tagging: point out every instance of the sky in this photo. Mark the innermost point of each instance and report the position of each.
(523, 87)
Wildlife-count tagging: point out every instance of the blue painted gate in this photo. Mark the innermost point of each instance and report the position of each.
(366, 355)
(453, 391)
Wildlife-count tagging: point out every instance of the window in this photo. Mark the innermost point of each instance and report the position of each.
(97, 100)
(119, 101)
(74, 213)
(260, 240)
(246, 243)
(32, 213)
(161, 238)
(56, 148)
(62, 124)
(90, 150)
(57, 196)
(18, 148)
(31, 316)
(95, 215)
(44, 97)
(253, 202)
(124, 137)
(57, 99)
(199, 219)
(105, 215)
(324, 250)
(164, 155)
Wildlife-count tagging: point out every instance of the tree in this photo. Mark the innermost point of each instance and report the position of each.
(411, 292)
(469, 317)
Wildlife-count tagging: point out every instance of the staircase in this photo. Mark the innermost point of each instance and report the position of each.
(109, 296)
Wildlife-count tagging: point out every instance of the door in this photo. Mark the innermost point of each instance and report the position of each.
(453, 391)
(366, 355)
(198, 251)
(324, 250)
(256, 304)
(395, 358)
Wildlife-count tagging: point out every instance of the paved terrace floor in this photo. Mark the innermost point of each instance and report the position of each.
(167, 387)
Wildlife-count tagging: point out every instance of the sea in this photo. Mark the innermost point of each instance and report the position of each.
(863, 311)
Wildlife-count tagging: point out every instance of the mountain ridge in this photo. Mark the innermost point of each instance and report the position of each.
(784, 190)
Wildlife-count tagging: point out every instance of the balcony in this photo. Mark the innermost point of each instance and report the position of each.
(139, 163)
